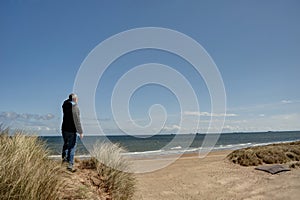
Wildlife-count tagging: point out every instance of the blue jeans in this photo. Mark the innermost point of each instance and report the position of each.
(69, 148)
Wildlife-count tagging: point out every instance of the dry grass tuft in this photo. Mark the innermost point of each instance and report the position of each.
(295, 164)
(25, 170)
(113, 169)
(89, 163)
(269, 154)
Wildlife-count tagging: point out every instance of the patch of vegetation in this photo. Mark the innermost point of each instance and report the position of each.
(25, 171)
(295, 164)
(114, 170)
(269, 154)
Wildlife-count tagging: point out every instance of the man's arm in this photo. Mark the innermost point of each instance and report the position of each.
(76, 118)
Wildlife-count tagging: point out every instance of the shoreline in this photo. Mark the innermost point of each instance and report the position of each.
(143, 155)
(154, 157)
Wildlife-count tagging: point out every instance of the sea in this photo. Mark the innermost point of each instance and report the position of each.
(156, 145)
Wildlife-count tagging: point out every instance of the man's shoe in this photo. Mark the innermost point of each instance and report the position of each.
(70, 168)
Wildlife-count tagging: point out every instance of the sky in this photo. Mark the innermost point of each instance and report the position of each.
(254, 44)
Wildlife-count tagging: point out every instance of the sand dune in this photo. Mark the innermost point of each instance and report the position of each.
(214, 177)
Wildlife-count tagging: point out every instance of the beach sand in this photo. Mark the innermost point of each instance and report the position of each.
(214, 177)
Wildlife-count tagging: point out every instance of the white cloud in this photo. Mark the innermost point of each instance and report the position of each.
(207, 114)
(171, 128)
(25, 116)
(272, 105)
(277, 122)
(286, 101)
(287, 117)
(32, 123)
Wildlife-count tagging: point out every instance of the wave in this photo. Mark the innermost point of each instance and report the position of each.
(267, 143)
(144, 152)
(181, 150)
(178, 147)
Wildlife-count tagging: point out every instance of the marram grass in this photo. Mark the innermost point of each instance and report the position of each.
(25, 170)
(113, 168)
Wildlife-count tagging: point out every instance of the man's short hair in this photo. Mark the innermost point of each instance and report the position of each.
(72, 96)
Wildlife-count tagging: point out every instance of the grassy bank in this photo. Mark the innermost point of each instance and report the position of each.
(112, 171)
(269, 154)
(26, 172)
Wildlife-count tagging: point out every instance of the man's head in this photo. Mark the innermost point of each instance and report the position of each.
(73, 97)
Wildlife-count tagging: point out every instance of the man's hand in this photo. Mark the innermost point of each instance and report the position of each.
(81, 135)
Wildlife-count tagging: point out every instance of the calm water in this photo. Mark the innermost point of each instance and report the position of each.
(166, 144)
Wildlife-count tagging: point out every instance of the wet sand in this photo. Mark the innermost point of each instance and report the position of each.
(214, 177)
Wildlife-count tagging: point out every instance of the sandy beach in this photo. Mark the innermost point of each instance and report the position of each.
(214, 177)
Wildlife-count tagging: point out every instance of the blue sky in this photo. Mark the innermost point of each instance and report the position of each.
(255, 45)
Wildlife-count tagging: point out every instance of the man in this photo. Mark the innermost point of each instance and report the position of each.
(70, 126)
